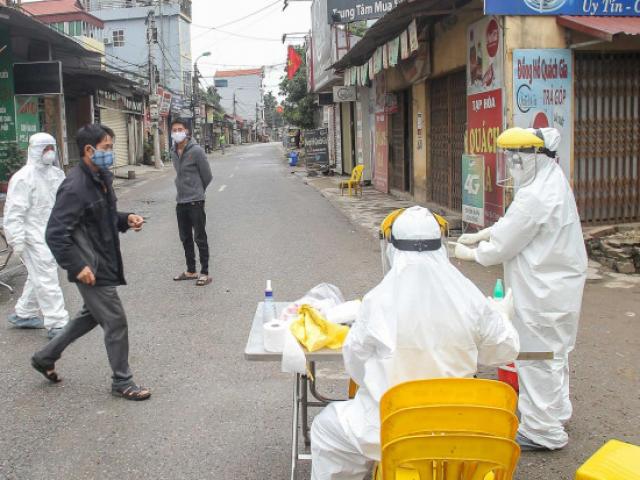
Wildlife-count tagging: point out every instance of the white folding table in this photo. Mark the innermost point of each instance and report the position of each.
(305, 386)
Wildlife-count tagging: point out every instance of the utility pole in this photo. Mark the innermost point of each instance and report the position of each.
(233, 130)
(196, 106)
(153, 90)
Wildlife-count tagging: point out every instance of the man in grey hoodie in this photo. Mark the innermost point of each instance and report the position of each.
(193, 176)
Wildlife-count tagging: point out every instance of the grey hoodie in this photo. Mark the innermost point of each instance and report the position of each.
(193, 173)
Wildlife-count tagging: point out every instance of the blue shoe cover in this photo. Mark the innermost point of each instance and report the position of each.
(527, 445)
(30, 322)
(52, 332)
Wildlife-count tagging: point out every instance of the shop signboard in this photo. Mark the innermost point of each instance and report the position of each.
(316, 148)
(485, 123)
(485, 48)
(347, 11)
(473, 189)
(27, 119)
(7, 109)
(381, 173)
(38, 78)
(607, 8)
(543, 95)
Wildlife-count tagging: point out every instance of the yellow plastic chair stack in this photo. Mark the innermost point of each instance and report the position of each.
(355, 182)
(454, 429)
(615, 460)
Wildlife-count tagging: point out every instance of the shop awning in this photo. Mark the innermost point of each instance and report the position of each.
(85, 81)
(21, 24)
(603, 28)
(392, 24)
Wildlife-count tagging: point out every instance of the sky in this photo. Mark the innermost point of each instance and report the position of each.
(231, 52)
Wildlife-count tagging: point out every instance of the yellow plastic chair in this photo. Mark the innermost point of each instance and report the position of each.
(449, 419)
(615, 460)
(354, 182)
(451, 457)
(448, 391)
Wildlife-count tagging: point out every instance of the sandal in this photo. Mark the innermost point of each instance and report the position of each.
(49, 373)
(185, 276)
(132, 392)
(203, 280)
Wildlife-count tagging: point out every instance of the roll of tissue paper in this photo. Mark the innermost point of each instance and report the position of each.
(273, 335)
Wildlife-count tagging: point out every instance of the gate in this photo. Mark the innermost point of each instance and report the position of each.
(607, 137)
(448, 97)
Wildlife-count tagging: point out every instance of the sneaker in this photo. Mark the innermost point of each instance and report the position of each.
(52, 332)
(527, 445)
(29, 322)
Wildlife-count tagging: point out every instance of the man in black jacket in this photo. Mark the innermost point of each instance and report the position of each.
(83, 235)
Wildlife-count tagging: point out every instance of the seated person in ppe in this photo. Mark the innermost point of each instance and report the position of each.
(424, 320)
(31, 196)
(540, 243)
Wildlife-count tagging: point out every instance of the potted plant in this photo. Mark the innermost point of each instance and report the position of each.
(14, 161)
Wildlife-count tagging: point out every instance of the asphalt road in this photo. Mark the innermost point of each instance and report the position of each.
(213, 414)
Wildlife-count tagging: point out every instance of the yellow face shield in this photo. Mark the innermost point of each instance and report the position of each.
(385, 234)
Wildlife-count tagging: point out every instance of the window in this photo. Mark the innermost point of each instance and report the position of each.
(221, 83)
(118, 38)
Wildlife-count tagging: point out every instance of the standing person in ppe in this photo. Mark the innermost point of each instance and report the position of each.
(31, 196)
(540, 243)
(424, 320)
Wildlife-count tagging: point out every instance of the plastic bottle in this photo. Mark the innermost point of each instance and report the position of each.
(269, 309)
(498, 290)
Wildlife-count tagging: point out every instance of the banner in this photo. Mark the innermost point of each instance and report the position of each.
(27, 119)
(543, 95)
(381, 172)
(607, 8)
(473, 189)
(347, 11)
(485, 48)
(484, 120)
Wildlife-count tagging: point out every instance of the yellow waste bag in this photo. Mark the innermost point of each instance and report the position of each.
(315, 332)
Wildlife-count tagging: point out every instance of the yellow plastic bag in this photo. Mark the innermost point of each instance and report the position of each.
(314, 332)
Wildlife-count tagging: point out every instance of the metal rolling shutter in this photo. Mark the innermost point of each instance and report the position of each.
(116, 120)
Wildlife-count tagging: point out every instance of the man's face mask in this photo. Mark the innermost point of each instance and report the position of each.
(103, 159)
(49, 157)
(178, 136)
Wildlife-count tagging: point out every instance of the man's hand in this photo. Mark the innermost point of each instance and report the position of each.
(87, 277)
(135, 222)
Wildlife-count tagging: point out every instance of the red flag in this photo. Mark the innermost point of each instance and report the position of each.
(294, 60)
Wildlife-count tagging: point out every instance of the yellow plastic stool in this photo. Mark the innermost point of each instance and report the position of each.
(615, 460)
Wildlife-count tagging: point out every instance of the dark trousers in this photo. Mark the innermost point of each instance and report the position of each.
(102, 306)
(192, 222)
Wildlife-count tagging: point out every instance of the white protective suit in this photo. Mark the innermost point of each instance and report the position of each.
(424, 320)
(30, 198)
(540, 243)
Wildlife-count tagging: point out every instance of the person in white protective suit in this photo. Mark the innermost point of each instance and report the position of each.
(424, 320)
(540, 243)
(30, 198)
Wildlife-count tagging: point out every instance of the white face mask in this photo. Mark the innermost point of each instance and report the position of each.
(48, 157)
(179, 137)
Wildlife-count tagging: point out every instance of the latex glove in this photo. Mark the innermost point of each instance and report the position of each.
(463, 252)
(503, 306)
(473, 238)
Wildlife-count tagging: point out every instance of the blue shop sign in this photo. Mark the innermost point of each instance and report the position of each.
(601, 8)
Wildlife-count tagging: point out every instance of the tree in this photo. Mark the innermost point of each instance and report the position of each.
(272, 115)
(299, 104)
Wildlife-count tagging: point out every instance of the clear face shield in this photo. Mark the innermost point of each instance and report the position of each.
(515, 168)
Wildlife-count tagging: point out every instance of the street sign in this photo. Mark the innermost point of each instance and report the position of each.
(473, 189)
(316, 148)
(344, 94)
(605, 8)
(37, 78)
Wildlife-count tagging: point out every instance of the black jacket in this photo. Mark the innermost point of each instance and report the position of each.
(84, 225)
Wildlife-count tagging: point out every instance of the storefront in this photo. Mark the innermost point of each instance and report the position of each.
(124, 115)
